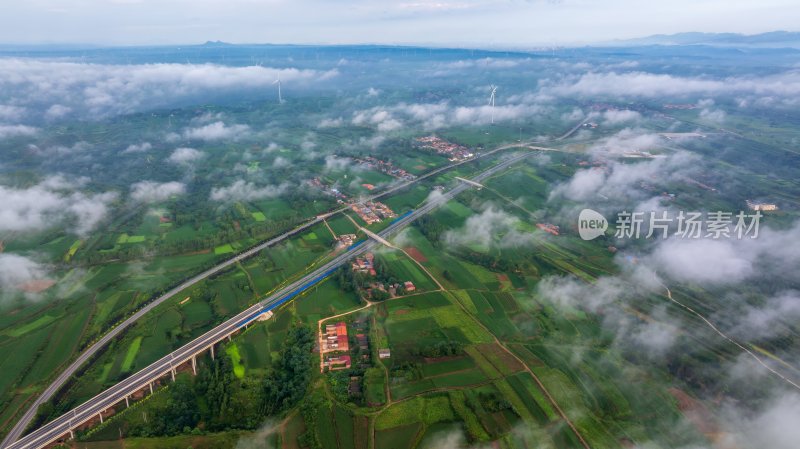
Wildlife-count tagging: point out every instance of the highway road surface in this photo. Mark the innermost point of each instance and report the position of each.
(62, 425)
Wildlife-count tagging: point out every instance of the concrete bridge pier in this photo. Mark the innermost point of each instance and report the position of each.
(71, 434)
(194, 365)
(151, 387)
(172, 371)
(101, 417)
(212, 351)
(127, 404)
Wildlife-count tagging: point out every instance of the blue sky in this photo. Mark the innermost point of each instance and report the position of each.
(441, 22)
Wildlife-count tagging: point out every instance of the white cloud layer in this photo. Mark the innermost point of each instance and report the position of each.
(217, 131)
(16, 270)
(154, 192)
(138, 147)
(246, 191)
(7, 131)
(102, 89)
(50, 203)
(653, 85)
(492, 228)
(185, 155)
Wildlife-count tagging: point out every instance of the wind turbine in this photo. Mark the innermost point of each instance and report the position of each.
(278, 82)
(491, 100)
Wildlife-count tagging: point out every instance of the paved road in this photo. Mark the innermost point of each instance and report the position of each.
(61, 425)
(573, 129)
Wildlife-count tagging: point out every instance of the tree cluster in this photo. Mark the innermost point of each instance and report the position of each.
(287, 383)
(441, 349)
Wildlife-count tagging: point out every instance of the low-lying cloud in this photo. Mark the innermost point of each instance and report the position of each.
(185, 155)
(247, 191)
(492, 228)
(621, 181)
(17, 270)
(217, 131)
(7, 131)
(97, 90)
(155, 192)
(138, 148)
(52, 202)
(653, 85)
(774, 254)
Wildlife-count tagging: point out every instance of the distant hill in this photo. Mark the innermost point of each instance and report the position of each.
(217, 44)
(773, 39)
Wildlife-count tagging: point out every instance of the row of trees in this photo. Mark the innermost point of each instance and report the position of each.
(440, 349)
(495, 262)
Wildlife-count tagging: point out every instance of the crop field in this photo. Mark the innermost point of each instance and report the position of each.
(130, 356)
(324, 300)
(429, 313)
(232, 350)
(401, 437)
(196, 314)
(222, 440)
(374, 386)
(33, 325)
(492, 314)
(341, 225)
(535, 190)
(72, 250)
(437, 368)
(223, 249)
(407, 199)
(438, 262)
(326, 428)
(292, 431)
(425, 409)
(255, 348)
(405, 269)
(344, 427)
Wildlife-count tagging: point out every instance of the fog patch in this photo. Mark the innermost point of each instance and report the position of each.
(138, 148)
(217, 131)
(492, 228)
(7, 131)
(262, 438)
(156, 192)
(18, 272)
(246, 191)
(185, 155)
(54, 200)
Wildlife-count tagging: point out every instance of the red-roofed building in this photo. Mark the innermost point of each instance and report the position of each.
(342, 344)
(338, 362)
(335, 338)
